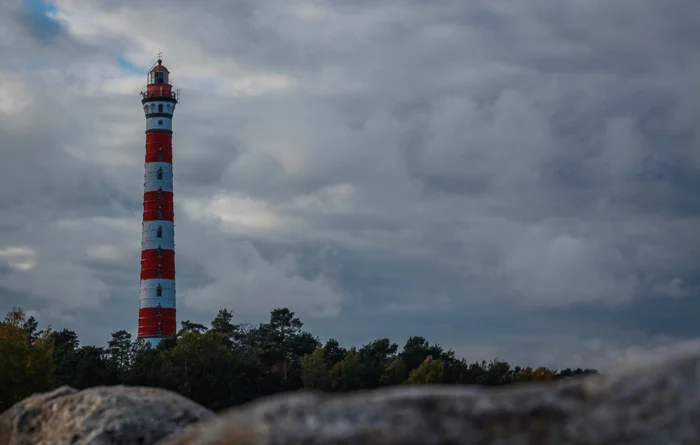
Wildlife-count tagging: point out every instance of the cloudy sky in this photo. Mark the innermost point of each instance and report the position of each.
(506, 178)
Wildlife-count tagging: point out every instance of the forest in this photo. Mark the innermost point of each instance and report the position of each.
(227, 364)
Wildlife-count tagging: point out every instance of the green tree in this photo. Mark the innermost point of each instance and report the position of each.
(375, 356)
(144, 365)
(65, 356)
(26, 359)
(189, 326)
(92, 368)
(348, 374)
(314, 372)
(31, 327)
(417, 349)
(430, 371)
(542, 374)
(277, 340)
(223, 325)
(394, 372)
(333, 353)
(120, 355)
(206, 370)
(497, 372)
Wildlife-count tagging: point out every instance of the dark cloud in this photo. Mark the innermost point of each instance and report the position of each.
(513, 180)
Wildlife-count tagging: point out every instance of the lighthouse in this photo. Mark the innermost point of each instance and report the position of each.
(157, 309)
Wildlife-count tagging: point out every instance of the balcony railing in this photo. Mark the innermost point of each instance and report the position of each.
(173, 94)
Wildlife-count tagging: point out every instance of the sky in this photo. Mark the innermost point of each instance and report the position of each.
(513, 179)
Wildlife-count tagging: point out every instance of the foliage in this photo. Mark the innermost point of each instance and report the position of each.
(26, 362)
(430, 371)
(227, 364)
(314, 372)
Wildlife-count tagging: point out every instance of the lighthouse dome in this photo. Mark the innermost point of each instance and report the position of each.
(159, 67)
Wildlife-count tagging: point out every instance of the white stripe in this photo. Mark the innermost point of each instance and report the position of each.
(149, 288)
(151, 293)
(154, 282)
(152, 107)
(150, 178)
(159, 123)
(148, 294)
(149, 237)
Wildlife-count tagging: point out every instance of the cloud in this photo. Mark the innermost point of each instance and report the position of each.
(468, 167)
(245, 281)
(675, 288)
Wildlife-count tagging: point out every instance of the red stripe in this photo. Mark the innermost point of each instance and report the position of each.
(152, 215)
(159, 138)
(166, 156)
(152, 323)
(153, 196)
(148, 313)
(153, 263)
(156, 142)
(155, 204)
(149, 318)
(165, 254)
(151, 206)
(154, 209)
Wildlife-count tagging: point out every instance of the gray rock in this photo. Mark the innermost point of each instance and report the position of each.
(650, 402)
(98, 416)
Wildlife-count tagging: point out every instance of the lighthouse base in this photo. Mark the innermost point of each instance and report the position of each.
(153, 341)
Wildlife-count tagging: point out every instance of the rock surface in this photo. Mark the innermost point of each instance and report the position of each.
(649, 403)
(96, 416)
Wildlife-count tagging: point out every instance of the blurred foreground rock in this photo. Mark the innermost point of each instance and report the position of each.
(654, 401)
(102, 415)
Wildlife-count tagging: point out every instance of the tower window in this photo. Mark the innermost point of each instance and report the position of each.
(160, 157)
(160, 212)
(160, 108)
(159, 309)
(160, 193)
(159, 174)
(159, 291)
(159, 271)
(159, 232)
(159, 252)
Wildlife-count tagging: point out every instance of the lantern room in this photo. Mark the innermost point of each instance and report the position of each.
(159, 74)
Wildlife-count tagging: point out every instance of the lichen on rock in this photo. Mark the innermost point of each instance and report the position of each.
(101, 415)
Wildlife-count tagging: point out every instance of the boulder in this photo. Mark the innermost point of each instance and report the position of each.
(649, 402)
(98, 416)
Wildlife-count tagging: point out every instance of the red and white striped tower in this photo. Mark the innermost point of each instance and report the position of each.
(157, 312)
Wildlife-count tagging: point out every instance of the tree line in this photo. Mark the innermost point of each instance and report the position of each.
(227, 364)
